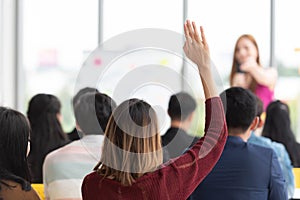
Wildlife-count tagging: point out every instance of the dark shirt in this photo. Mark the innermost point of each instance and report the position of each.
(74, 135)
(176, 141)
(244, 171)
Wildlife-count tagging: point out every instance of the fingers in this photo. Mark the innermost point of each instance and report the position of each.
(203, 37)
(196, 34)
(188, 39)
(190, 30)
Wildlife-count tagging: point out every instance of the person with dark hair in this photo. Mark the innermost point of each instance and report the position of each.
(278, 128)
(47, 133)
(14, 148)
(92, 112)
(248, 72)
(279, 149)
(244, 171)
(75, 134)
(181, 111)
(131, 167)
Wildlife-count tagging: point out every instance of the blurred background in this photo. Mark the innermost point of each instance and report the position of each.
(43, 44)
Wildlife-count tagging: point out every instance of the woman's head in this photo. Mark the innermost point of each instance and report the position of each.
(245, 47)
(132, 145)
(43, 106)
(278, 124)
(278, 128)
(14, 138)
(47, 133)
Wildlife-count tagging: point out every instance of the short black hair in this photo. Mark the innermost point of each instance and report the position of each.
(259, 107)
(240, 107)
(181, 105)
(81, 92)
(90, 107)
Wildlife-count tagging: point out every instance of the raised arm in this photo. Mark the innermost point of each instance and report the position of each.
(185, 173)
(197, 50)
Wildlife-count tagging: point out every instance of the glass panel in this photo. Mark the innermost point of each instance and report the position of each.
(57, 36)
(123, 16)
(287, 52)
(224, 22)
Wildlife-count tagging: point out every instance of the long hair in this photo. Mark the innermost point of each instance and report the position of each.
(132, 144)
(47, 134)
(14, 137)
(235, 63)
(278, 128)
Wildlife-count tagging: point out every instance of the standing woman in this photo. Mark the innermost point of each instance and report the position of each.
(278, 128)
(14, 148)
(131, 163)
(247, 71)
(47, 134)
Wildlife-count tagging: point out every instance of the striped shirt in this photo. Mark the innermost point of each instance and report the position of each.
(65, 168)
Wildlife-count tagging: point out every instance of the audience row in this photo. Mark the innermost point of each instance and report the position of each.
(117, 152)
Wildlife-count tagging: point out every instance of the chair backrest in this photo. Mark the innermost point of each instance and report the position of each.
(296, 172)
(39, 188)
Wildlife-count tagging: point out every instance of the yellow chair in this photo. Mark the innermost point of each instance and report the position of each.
(296, 172)
(39, 188)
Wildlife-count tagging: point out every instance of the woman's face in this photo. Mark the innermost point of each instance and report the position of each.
(245, 49)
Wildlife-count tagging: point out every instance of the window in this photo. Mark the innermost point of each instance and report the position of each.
(120, 17)
(224, 22)
(57, 36)
(287, 52)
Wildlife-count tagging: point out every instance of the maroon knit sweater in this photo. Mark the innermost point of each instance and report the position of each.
(176, 180)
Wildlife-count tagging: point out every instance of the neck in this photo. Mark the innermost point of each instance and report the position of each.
(179, 124)
(244, 136)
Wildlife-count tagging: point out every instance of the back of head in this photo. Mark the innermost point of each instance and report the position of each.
(132, 144)
(14, 136)
(181, 105)
(240, 107)
(83, 91)
(43, 113)
(259, 107)
(47, 133)
(278, 128)
(277, 124)
(92, 112)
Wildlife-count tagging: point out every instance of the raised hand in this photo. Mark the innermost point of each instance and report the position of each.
(196, 49)
(195, 46)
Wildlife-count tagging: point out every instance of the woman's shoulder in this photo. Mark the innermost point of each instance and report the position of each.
(11, 190)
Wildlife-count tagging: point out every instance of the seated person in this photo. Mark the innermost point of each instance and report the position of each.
(75, 134)
(244, 171)
(279, 149)
(181, 111)
(14, 149)
(278, 128)
(131, 162)
(47, 135)
(65, 168)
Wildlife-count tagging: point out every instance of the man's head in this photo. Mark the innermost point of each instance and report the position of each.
(181, 106)
(240, 106)
(92, 112)
(81, 92)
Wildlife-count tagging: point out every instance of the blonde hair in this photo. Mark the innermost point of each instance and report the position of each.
(132, 144)
(253, 83)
